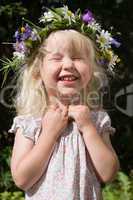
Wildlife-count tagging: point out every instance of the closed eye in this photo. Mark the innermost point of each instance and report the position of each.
(56, 57)
(77, 58)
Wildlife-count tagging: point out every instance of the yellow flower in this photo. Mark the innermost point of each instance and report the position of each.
(109, 54)
(22, 29)
(69, 13)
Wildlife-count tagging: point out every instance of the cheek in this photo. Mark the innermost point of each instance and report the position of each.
(49, 76)
(46, 70)
(86, 74)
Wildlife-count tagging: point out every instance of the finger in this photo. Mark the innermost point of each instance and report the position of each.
(53, 106)
(58, 109)
(65, 111)
(70, 113)
(71, 108)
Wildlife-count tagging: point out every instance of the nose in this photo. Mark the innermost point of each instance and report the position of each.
(67, 63)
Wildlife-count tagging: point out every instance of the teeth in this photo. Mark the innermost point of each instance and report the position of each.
(70, 78)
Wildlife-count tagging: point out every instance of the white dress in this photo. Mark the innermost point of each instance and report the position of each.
(69, 174)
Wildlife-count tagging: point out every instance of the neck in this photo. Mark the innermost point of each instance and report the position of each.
(66, 100)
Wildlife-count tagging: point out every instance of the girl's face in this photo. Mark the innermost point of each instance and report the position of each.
(65, 69)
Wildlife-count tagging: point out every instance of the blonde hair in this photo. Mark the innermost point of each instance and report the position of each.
(31, 98)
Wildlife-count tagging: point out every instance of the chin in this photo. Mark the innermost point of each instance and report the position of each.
(69, 95)
(69, 91)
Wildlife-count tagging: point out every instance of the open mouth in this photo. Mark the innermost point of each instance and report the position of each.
(68, 78)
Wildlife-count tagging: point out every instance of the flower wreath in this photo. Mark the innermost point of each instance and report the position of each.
(30, 36)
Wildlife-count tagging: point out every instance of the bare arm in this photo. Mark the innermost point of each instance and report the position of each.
(28, 160)
(100, 150)
(103, 156)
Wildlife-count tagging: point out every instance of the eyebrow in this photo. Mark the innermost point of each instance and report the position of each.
(52, 52)
(58, 53)
(55, 53)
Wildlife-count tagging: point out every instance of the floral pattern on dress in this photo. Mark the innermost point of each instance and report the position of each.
(69, 174)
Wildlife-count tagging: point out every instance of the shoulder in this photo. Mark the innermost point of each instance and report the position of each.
(102, 121)
(29, 125)
(100, 116)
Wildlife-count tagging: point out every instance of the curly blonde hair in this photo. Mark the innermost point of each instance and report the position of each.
(31, 98)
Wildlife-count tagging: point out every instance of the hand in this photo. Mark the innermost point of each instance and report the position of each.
(81, 115)
(55, 120)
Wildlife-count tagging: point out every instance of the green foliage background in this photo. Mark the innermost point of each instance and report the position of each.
(116, 13)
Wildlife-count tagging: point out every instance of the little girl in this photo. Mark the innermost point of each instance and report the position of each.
(62, 148)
